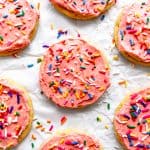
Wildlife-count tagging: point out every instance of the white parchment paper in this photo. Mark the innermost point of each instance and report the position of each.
(100, 33)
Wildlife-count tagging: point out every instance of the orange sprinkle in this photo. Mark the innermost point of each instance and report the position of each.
(39, 126)
(48, 121)
(43, 129)
(33, 137)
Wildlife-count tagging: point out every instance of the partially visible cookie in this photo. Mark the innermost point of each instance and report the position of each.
(74, 74)
(132, 36)
(72, 141)
(16, 114)
(18, 23)
(82, 9)
(132, 121)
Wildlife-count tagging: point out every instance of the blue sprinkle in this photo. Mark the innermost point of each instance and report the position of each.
(60, 90)
(122, 34)
(75, 143)
(5, 16)
(131, 42)
(102, 17)
(90, 96)
(30, 65)
(50, 67)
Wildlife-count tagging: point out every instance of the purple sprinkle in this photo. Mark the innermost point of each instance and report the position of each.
(18, 99)
(45, 46)
(129, 139)
(10, 93)
(11, 109)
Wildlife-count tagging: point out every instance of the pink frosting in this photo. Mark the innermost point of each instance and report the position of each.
(14, 114)
(134, 34)
(17, 20)
(74, 74)
(73, 141)
(132, 121)
(84, 7)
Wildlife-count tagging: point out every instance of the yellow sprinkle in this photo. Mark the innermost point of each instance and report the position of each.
(148, 120)
(116, 57)
(106, 127)
(23, 32)
(11, 11)
(1, 6)
(77, 95)
(38, 6)
(9, 23)
(65, 94)
(137, 14)
(96, 54)
(52, 26)
(99, 9)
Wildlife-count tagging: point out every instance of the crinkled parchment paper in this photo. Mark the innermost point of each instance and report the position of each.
(100, 33)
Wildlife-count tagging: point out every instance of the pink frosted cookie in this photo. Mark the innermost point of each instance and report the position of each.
(132, 33)
(15, 114)
(72, 142)
(74, 74)
(82, 9)
(18, 22)
(132, 121)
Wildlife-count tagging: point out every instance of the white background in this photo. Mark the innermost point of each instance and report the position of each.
(100, 33)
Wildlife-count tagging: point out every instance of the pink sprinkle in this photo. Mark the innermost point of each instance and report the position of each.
(146, 116)
(133, 96)
(51, 128)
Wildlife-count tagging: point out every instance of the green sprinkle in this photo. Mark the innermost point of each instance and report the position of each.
(131, 127)
(57, 69)
(84, 143)
(81, 59)
(38, 123)
(108, 106)
(1, 38)
(21, 14)
(32, 145)
(51, 83)
(147, 20)
(82, 67)
(17, 113)
(39, 60)
(98, 119)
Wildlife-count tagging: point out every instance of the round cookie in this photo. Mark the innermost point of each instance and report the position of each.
(132, 34)
(75, 141)
(16, 114)
(82, 9)
(74, 74)
(18, 23)
(132, 121)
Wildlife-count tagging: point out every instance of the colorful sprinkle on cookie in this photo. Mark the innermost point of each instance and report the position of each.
(74, 74)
